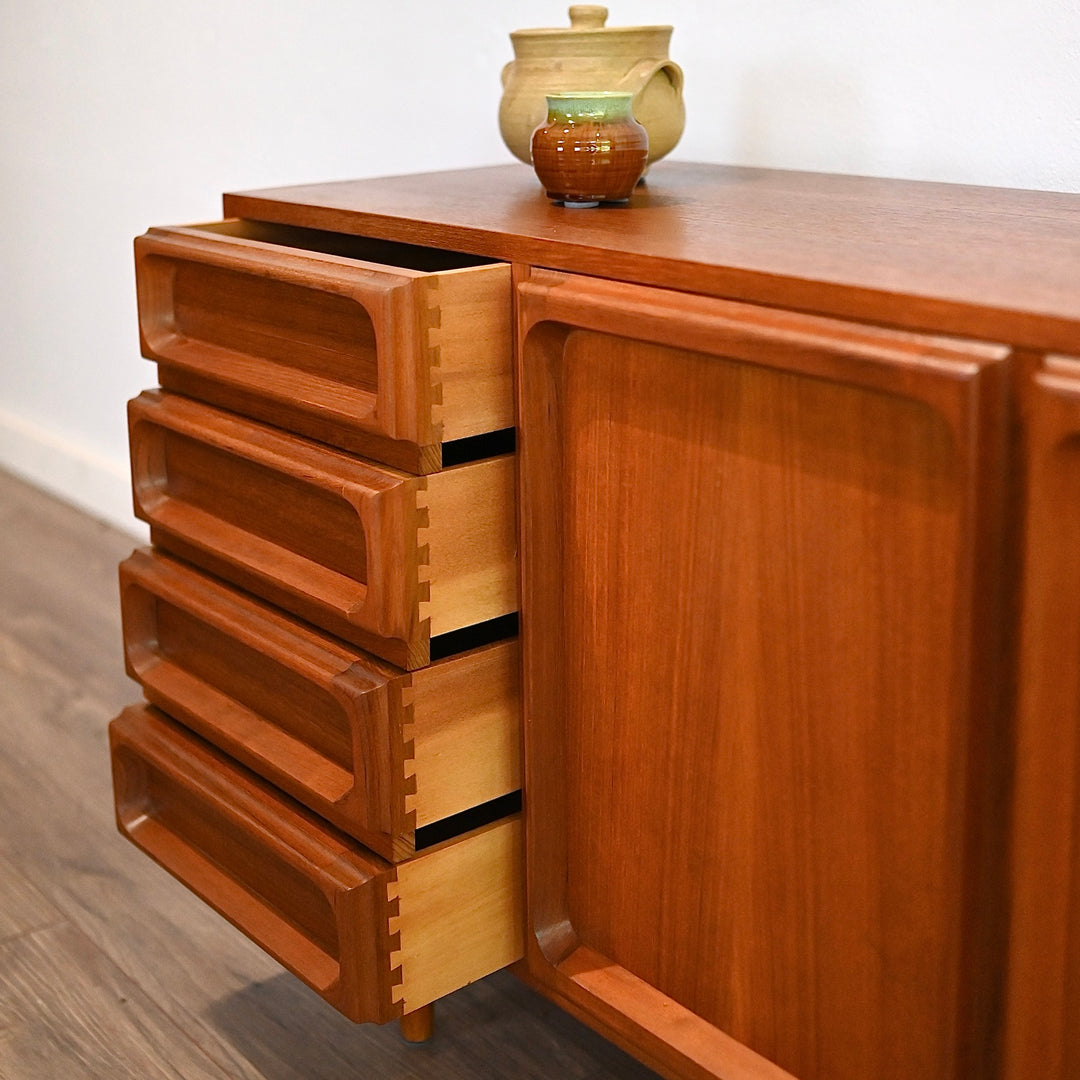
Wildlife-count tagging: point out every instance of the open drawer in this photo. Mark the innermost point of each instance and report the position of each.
(386, 350)
(378, 752)
(375, 940)
(380, 558)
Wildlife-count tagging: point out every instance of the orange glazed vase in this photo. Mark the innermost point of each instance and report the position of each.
(591, 149)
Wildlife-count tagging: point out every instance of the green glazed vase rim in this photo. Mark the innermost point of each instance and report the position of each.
(596, 104)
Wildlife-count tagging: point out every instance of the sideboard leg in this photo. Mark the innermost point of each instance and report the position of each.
(417, 1027)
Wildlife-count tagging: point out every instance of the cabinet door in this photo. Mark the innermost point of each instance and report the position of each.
(762, 592)
(1042, 1035)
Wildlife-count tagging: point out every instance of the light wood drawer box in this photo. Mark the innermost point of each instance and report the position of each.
(324, 335)
(378, 752)
(378, 557)
(374, 939)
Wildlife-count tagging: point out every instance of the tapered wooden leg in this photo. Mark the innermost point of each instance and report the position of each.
(417, 1027)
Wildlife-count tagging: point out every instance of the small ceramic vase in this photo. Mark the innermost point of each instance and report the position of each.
(591, 54)
(591, 149)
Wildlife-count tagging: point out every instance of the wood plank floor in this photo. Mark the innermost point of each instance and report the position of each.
(111, 969)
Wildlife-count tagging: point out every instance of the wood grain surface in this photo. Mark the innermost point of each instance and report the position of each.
(374, 750)
(369, 937)
(1042, 1033)
(68, 1010)
(984, 262)
(118, 971)
(459, 912)
(462, 755)
(379, 557)
(876, 667)
(762, 647)
(312, 333)
(23, 907)
(301, 890)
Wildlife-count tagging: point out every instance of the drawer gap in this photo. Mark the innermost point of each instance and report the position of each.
(467, 820)
(472, 637)
(362, 248)
(476, 447)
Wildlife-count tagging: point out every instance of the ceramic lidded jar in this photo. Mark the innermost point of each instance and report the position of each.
(590, 149)
(630, 59)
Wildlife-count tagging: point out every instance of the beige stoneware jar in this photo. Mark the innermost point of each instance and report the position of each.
(589, 56)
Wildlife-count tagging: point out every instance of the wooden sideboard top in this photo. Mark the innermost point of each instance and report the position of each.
(986, 262)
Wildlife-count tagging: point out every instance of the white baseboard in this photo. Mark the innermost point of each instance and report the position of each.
(71, 472)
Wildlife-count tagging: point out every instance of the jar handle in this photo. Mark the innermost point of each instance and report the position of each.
(505, 74)
(639, 76)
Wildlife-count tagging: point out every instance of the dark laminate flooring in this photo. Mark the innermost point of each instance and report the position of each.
(108, 967)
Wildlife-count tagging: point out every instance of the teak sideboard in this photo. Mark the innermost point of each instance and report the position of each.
(792, 525)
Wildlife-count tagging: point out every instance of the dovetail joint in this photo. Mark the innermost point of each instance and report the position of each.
(431, 320)
(393, 926)
(423, 548)
(408, 756)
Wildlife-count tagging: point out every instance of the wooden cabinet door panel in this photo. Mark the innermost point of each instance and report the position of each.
(761, 579)
(1042, 1034)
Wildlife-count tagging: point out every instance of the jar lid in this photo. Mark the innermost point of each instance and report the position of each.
(588, 19)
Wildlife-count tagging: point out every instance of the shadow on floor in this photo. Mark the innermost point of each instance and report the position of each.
(496, 1029)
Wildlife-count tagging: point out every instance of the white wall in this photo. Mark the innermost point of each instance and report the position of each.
(119, 114)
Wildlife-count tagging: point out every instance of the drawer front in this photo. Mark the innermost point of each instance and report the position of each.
(389, 361)
(375, 940)
(374, 750)
(377, 557)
